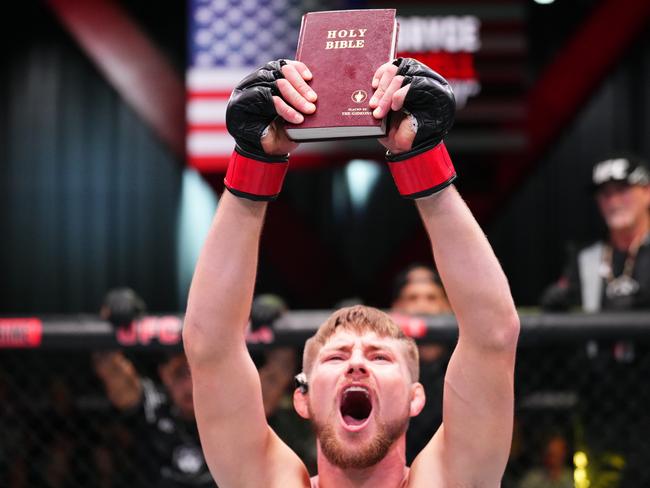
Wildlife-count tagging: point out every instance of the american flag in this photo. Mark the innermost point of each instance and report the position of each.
(229, 39)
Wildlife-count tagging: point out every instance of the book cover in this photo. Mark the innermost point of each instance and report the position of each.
(343, 49)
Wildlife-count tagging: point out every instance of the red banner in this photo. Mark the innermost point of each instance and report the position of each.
(26, 332)
(453, 66)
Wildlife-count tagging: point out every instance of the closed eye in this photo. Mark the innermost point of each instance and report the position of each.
(381, 357)
(336, 357)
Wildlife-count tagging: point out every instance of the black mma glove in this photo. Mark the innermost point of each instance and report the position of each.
(426, 168)
(122, 306)
(252, 173)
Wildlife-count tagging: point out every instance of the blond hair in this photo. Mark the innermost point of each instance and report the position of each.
(360, 319)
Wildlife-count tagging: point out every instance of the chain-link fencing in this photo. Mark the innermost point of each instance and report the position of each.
(582, 397)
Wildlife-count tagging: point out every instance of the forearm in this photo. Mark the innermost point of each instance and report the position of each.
(474, 281)
(222, 287)
(121, 380)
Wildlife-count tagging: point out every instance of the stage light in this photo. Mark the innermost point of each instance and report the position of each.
(544, 2)
(361, 175)
(580, 475)
(580, 459)
(195, 212)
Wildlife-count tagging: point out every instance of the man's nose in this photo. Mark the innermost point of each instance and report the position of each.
(357, 365)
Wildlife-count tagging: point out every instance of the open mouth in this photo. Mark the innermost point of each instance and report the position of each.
(355, 406)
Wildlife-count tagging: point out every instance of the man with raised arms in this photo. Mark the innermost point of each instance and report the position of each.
(360, 379)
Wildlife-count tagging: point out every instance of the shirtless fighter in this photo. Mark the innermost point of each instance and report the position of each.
(360, 379)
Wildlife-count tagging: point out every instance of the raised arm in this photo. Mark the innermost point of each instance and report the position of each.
(478, 397)
(239, 447)
(124, 389)
(472, 446)
(120, 378)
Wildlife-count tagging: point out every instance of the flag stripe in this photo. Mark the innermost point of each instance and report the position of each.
(209, 79)
(206, 111)
(206, 95)
(209, 142)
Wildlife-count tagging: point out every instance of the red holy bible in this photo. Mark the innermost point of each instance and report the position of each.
(343, 49)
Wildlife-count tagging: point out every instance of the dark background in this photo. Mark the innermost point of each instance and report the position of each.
(89, 195)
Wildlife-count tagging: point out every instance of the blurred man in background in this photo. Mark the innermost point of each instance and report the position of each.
(277, 367)
(612, 274)
(418, 290)
(163, 417)
(555, 472)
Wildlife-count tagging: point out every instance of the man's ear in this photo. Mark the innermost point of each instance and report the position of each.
(418, 399)
(300, 403)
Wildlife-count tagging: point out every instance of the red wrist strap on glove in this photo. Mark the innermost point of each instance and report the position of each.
(423, 174)
(253, 179)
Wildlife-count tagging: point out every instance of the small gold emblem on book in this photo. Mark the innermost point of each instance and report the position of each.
(359, 96)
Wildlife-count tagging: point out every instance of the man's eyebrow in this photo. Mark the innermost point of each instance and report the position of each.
(338, 347)
(347, 346)
(378, 347)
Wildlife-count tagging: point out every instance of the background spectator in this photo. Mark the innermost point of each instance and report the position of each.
(614, 273)
(418, 290)
(554, 472)
(162, 416)
(277, 367)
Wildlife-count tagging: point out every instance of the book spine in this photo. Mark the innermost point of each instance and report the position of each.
(395, 40)
(300, 37)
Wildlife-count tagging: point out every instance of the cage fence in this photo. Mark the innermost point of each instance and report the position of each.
(581, 409)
